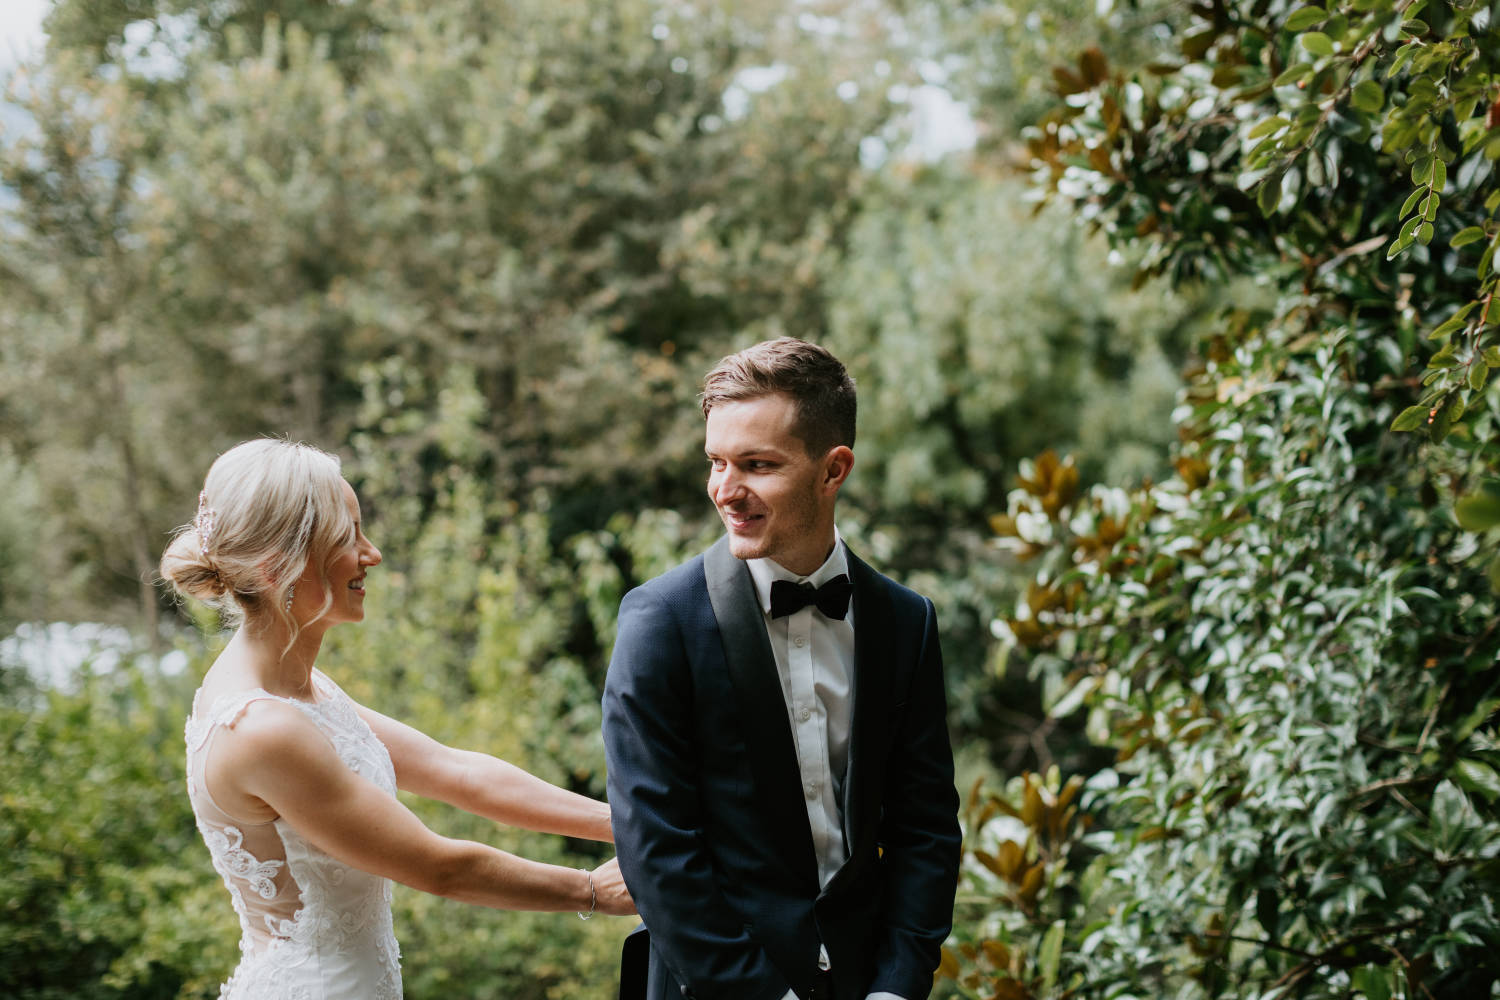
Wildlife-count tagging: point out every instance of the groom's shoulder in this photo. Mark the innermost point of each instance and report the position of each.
(898, 593)
(677, 582)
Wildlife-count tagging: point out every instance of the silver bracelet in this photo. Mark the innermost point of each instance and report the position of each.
(593, 895)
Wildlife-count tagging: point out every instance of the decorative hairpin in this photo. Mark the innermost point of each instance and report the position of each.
(203, 522)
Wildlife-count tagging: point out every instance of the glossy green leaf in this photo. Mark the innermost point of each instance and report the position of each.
(1442, 423)
(1466, 236)
(1317, 43)
(1368, 96)
(1447, 328)
(1304, 18)
(1479, 372)
(1478, 511)
(1273, 124)
(1482, 269)
(1410, 418)
(1477, 776)
(1049, 956)
(1293, 74)
(1411, 201)
(1268, 195)
(1372, 982)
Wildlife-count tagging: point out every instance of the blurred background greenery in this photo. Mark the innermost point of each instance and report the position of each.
(1221, 679)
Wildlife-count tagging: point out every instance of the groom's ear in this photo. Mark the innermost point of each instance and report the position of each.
(837, 465)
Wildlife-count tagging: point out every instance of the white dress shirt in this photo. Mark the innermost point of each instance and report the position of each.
(815, 661)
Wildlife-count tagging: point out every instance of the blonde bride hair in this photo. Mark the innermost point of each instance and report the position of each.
(268, 509)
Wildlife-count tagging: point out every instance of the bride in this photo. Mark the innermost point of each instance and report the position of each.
(293, 783)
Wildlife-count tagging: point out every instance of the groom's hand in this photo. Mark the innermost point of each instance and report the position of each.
(611, 896)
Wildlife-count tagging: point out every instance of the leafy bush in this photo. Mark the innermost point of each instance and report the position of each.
(1290, 644)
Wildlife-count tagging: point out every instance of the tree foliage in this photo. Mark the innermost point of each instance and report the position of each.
(542, 210)
(1290, 643)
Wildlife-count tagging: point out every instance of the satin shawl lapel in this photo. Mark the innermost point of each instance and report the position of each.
(762, 706)
(874, 641)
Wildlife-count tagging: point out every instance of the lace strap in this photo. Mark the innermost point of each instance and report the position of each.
(227, 709)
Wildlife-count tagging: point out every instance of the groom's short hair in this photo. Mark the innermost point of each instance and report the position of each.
(814, 379)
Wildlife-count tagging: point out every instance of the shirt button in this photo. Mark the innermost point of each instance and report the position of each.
(812, 789)
(799, 642)
(806, 714)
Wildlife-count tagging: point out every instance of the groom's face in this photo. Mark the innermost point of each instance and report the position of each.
(776, 500)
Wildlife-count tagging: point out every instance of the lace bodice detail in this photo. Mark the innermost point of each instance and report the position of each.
(311, 927)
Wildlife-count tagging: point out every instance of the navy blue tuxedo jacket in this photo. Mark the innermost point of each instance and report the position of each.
(709, 820)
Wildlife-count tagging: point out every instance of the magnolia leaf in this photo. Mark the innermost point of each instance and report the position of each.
(1067, 82)
(1372, 981)
(1049, 955)
(1424, 233)
(1492, 356)
(1093, 66)
(1479, 372)
(1414, 27)
(1477, 776)
(1195, 45)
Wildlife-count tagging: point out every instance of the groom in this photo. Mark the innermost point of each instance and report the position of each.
(779, 769)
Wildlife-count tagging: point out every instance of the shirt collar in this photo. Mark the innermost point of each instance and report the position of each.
(766, 571)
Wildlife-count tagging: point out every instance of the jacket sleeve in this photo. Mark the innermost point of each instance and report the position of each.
(919, 833)
(654, 799)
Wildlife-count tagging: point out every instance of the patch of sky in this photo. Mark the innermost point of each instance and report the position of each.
(58, 655)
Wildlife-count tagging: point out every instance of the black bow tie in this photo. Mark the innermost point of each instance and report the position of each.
(832, 598)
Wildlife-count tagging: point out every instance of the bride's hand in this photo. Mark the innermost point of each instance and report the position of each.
(611, 896)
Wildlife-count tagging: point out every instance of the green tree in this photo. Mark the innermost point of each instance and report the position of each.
(570, 211)
(982, 332)
(1289, 644)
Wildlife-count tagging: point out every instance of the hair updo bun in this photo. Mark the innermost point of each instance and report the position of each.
(268, 509)
(189, 572)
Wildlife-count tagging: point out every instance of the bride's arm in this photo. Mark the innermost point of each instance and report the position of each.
(275, 755)
(486, 786)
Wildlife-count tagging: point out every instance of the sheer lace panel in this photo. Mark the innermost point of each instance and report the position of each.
(311, 927)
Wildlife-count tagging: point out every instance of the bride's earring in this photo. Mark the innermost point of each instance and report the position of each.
(291, 593)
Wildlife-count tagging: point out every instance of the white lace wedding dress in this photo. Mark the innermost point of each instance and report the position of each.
(311, 927)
